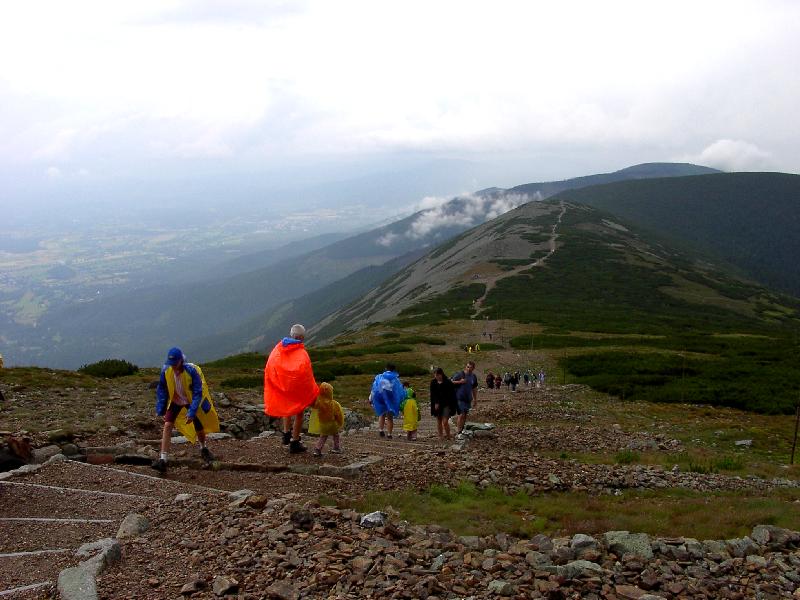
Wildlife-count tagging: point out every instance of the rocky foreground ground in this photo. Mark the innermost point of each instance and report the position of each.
(252, 526)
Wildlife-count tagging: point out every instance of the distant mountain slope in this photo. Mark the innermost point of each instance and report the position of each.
(263, 330)
(750, 220)
(217, 298)
(138, 325)
(542, 190)
(568, 266)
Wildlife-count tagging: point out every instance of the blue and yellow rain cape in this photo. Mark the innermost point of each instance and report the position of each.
(201, 406)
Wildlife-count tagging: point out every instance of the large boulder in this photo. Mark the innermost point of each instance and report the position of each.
(624, 542)
(132, 525)
(774, 537)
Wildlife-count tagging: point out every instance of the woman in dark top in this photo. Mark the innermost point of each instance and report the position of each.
(443, 402)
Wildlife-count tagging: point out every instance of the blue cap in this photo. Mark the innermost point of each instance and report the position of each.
(174, 356)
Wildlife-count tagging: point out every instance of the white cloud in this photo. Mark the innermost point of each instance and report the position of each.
(268, 80)
(471, 210)
(387, 239)
(733, 155)
(429, 202)
(53, 172)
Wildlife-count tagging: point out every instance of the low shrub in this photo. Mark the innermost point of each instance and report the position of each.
(626, 457)
(243, 381)
(110, 368)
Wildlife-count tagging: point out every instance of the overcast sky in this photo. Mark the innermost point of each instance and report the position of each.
(110, 90)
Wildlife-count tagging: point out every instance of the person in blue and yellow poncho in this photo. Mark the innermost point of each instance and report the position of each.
(183, 399)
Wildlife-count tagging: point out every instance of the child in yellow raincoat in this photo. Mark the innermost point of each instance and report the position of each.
(410, 410)
(327, 419)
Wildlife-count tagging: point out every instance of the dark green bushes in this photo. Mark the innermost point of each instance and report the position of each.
(243, 381)
(110, 368)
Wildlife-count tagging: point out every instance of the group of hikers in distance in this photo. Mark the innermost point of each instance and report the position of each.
(184, 401)
(511, 379)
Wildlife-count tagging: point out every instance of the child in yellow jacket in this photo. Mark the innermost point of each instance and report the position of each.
(410, 410)
(327, 418)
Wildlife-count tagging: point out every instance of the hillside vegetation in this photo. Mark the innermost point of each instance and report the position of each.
(749, 220)
(631, 317)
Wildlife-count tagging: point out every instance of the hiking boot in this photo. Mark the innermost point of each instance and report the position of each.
(287, 437)
(206, 455)
(296, 447)
(382, 433)
(316, 452)
(388, 436)
(336, 451)
(159, 465)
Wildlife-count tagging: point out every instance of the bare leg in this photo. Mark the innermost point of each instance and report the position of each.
(462, 418)
(336, 443)
(389, 424)
(166, 437)
(444, 422)
(381, 421)
(286, 427)
(298, 426)
(321, 442)
(439, 426)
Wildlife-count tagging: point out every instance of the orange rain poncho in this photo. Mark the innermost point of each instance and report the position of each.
(289, 386)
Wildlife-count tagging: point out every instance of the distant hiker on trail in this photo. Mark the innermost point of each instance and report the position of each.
(526, 378)
(289, 386)
(327, 419)
(513, 380)
(386, 394)
(490, 380)
(498, 381)
(443, 402)
(183, 399)
(410, 410)
(466, 383)
(541, 378)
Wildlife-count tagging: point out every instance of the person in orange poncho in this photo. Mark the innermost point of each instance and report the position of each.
(289, 386)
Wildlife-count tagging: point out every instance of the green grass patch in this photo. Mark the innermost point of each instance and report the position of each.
(243, 381)
(753, 374)
(672, 512)
(454, 304)
(247, 360)
(627, 457)
(327, 353)
(509, 264)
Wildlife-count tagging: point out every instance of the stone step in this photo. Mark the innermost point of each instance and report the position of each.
(19, 499)
(27, 534)
(25, 570)
(19, 592)
(111, 479)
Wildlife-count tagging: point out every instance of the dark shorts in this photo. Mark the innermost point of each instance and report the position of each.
(172, 414)
(444, 412)
(464, 406)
